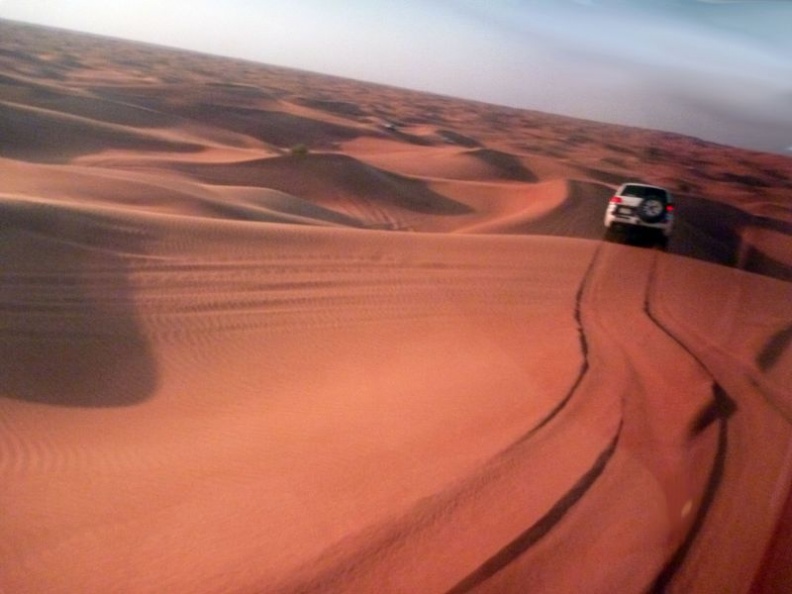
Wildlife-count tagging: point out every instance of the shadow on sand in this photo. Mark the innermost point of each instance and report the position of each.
(68, 330)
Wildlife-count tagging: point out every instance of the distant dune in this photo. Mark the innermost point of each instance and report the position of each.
(269, 331)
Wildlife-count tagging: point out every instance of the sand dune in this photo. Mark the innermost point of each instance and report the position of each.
(341, 183)
(40, 135)
(269, 331)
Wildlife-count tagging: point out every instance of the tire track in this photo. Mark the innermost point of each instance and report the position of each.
(229, 296)
(529, 537)
(722, 408)
(434, 516)
(629, 445)
(517, 547)
(666, 576)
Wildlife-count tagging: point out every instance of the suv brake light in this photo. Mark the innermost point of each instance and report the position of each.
(616, 200)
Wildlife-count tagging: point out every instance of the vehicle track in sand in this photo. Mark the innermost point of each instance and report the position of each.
(660, 401)
(630, 444)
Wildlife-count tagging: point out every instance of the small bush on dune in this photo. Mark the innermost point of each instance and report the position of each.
(299, 150)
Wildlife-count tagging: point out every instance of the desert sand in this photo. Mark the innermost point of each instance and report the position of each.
(264, 330)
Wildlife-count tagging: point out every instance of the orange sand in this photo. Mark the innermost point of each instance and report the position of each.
(398, 360)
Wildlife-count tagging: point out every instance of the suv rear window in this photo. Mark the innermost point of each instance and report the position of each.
(644, 192)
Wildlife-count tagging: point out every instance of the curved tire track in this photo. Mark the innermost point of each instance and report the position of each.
(529, 537)
(532, 535)
(736, 517)
(365, 562)
(721, 409)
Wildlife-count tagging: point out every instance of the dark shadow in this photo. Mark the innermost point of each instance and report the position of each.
(579, 215)
(41, 136)
(760, 263)
(639, 237)
(708, 230)
(330, 181)
(342, 108)
(705, 229)
(508, 166)
(777, 225)
(722, 408)
(775, 347)
(712, 231)
(68, 330)
(459, 139)
(613, 178)
(414, 138)
(273, 127)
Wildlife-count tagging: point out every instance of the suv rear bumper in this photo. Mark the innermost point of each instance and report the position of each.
(613, 220)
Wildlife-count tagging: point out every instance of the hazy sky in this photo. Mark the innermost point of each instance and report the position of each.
(719, 69)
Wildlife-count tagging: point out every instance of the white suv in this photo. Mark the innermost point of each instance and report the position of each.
(640, 206)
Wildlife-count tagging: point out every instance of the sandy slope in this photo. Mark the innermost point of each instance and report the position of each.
(266, 331)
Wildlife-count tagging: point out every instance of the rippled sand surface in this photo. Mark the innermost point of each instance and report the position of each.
(269, 331)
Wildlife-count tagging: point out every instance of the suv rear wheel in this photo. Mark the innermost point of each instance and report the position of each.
(651, 210)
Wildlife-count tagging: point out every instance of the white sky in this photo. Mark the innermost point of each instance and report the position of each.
(716, 69)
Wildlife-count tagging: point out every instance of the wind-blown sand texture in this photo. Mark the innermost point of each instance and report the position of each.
(269, 331)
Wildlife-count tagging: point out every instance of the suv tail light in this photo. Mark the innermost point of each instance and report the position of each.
(616, 200)
(669, 208)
